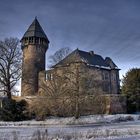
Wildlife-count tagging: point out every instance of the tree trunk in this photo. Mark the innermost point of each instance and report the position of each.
(8, 91)
(77, 94)
(77, 113)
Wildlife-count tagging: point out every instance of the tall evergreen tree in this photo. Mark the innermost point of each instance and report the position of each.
(131, 88)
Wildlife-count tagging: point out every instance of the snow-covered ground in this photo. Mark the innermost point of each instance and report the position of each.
(91, 119)
(95, 127)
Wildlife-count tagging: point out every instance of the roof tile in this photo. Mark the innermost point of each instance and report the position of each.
(35, 30)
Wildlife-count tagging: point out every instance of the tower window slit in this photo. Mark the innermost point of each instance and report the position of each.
(36, 40)
(31, 40)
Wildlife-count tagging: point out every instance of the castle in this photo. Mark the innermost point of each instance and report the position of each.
(91, 72)
(102, 75)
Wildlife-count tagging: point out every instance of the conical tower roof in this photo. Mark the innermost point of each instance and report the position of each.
(35, 30)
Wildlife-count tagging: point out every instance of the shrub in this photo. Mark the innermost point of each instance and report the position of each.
(38, 110)
(123, 119)
(12, 110)
(129, 118)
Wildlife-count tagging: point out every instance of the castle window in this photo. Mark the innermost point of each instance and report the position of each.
(105, 87)
(25, 40)
(36, 40)
(49, 76)
(41, 40)
(105, 76)
(31, 40)
(114, 77)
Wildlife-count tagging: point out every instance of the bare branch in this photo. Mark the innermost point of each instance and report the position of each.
(10, 64)
(59, 55)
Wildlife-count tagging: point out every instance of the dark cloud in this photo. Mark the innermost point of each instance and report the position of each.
(109, 27)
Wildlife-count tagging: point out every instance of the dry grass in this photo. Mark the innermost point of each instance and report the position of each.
(42, 134)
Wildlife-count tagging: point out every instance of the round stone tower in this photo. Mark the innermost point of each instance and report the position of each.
(34, 46)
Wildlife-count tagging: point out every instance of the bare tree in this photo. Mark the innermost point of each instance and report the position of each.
(84, 86)
(56, 90)
(74, 85)
(78, 86)
(59, 55)
(10, 65)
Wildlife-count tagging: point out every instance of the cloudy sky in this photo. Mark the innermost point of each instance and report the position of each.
(109, 27)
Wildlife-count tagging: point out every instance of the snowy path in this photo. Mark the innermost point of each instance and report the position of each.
(120, 131)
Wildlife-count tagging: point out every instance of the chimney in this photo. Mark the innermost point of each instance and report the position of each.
(91, 52)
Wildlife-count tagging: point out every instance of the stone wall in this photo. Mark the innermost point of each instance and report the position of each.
(33, 63)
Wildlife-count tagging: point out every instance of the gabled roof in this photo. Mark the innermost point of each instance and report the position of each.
(90, 58)
(35, 30)
(110, 63)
